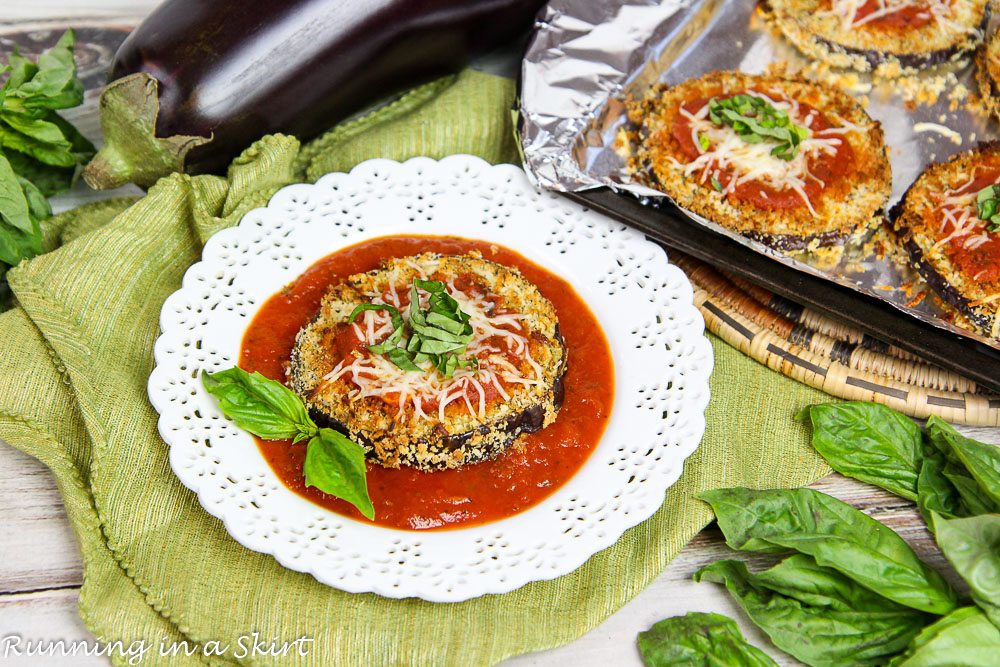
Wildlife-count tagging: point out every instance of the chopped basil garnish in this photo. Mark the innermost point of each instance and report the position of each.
(755, 120)
(704, 142)
(987, 205)
(716, 184)
(438, 334)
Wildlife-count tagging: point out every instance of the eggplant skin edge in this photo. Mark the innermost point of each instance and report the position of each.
(982, 321)
(887, 61)
(226, 74)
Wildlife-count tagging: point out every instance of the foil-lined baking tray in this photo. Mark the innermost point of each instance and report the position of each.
(585, 59)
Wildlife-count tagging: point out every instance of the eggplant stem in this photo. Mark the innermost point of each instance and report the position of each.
(132, 152)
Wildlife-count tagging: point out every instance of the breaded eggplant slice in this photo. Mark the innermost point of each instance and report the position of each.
(889, 37)
(988, 73)
(938, 224)
(421, 418)
(832, 193)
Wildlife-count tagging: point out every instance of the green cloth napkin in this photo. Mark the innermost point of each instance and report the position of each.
(77, 353)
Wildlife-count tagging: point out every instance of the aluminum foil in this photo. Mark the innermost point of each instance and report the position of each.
(586, 58)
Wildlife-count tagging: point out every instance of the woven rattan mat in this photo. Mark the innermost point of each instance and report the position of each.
(830, 355)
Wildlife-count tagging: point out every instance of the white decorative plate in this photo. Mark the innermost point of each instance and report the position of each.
(661, 356)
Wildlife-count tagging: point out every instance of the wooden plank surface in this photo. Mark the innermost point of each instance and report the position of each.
(40, 568)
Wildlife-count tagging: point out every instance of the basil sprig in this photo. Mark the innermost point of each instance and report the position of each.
(438, 334)
(40, 152)
(816, 614)
(944, 471)
(334, 463)
(755, 120)
(836, 535)
(988, 207)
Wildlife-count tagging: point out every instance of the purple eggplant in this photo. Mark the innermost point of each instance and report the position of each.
(200, 80)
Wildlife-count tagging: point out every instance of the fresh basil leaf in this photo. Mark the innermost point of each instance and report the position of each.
(963, 638)
(21, 70)
(972, 546)
(13, 203)
(41, 139)
(981, 460)
(257, 404)
(402, 359)
(817, 614)
(38, 205)
(973, 499)
(934, 492)
(869, 442)
(697, 639)
(836, 535)
(335, 464)
(48, 179)
(54, 85)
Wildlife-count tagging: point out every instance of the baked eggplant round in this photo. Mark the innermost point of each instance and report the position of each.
(506, 380)
(890, 37)
(790, 163)
(988, 73)
(946, 225)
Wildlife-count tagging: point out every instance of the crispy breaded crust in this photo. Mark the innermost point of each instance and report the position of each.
(918, 235)
(846, 211)
(889, 52)
(988, 73)
(460, 438)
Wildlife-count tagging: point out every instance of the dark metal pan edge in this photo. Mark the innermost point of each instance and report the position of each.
(946, 349)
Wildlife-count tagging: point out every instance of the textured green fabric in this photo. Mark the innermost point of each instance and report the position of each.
(78, 352)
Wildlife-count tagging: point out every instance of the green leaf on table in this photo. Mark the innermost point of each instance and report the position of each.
(816, 613)
(981, 460)
(335, 464)
(934, 492)
(964, 637)
(54, 83)
(262, 406)
(697, 639)
(836, 535)
(13, 204)
(40, 145)
(972, 546)
(48, 179)
(869, 442)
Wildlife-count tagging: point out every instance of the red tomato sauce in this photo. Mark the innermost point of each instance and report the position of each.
(827, 169)
(906, 18)
(412, 499)
(981, 263)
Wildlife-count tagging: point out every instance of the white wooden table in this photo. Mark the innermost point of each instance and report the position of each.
(40, 567)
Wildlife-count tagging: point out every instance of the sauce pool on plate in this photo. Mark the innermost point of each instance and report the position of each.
(408, 498)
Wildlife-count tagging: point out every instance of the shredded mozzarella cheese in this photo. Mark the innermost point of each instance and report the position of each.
(374, 375)
(754, 162)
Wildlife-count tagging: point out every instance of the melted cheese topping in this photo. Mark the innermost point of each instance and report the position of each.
(940, 11)
(746, 162)
(495, 338)
(958, 208)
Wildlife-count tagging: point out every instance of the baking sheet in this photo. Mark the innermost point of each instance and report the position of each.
(586, 58)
